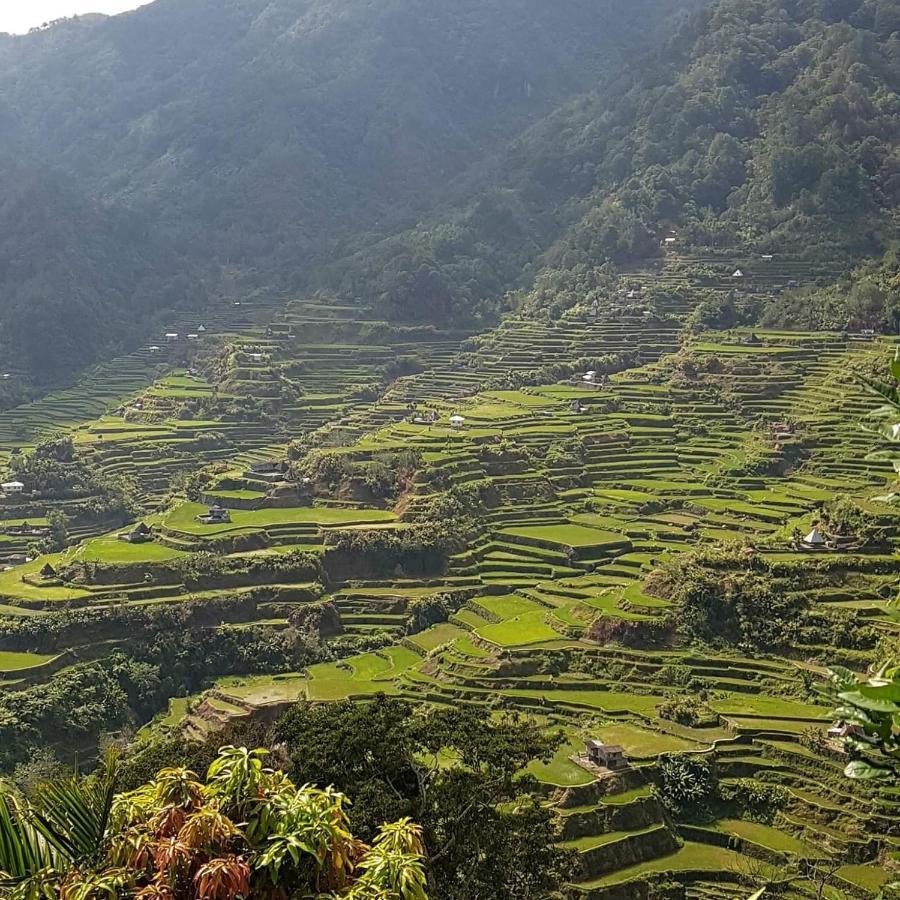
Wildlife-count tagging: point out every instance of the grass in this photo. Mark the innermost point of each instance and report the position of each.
(751, 704)
(870, 878)
(702, 857)
(583, 844)
(437, 636)
(506, 606)
(561, 771)
(641, 742)
(623, 798)
(260, 689)
(576, 536)
(529, 628)
(369, 666)
(111, 551)
(12, 585)
(330, 681)
(17, 662)
(184, 518)
(401, 658)
(766, 836)
(467, 647)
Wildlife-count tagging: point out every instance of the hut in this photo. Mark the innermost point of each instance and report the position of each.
(841, 730)
(813, 541)
(47, 571)
(12, 487)
(609, 756)
(737, 273)
(140, 534)
(171, 336)
(215, 515)
(457, 421)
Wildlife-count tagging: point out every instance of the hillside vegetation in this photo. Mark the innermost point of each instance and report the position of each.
(760, 124)
(427, 161)
(255, 136)
(492, 454)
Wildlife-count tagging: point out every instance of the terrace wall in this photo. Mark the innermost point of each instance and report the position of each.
(626, 852)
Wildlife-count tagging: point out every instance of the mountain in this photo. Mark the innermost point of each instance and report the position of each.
(72, 270)
(258, 135)
(427, 158)
(763, 125)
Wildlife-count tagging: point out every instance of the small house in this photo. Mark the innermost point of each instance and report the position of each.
(140, 534)
(768, 256)
(813, 541)
(841, 730)
(609, 756)
(201, 329)
(12, 487)
(48, 571)
(589, 377)
(737, 273)
(154, 349)
(457, 421)
(171, 336)
(256, 357)
(193, 337)
(215, 515)
(670, 241)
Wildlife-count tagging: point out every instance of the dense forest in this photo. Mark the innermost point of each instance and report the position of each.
(425, 160)
(763, 125)
(164, 152)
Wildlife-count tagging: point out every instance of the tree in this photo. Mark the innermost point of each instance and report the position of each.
(244, 831)
(458, 772)
(687, 783)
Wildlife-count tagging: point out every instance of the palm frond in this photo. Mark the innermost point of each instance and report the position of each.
(882, 389)
(73, 814)
(23, 850)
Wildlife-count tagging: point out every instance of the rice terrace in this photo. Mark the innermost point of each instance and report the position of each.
(449, 451)
(571, 498)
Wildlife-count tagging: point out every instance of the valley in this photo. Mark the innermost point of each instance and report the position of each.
(498, 519)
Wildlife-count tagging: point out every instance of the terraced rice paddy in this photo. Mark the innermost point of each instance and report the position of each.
(584, 490)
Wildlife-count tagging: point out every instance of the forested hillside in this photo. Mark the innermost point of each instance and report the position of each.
(765, 125)
(257, 135)
(427, 159)
(74, 273)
